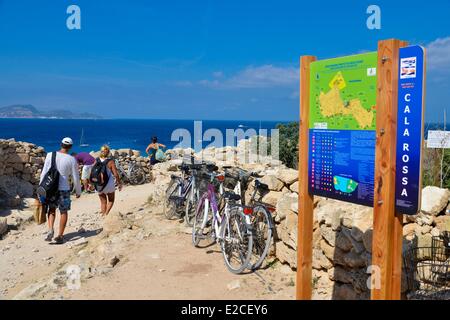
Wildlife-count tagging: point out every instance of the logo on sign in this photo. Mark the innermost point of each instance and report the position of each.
(408, 67)
(371, 72)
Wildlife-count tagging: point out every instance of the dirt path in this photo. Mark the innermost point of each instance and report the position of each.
(148, 258)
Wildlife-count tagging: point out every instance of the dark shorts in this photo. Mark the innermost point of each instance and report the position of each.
(154, 161)
(62, 202)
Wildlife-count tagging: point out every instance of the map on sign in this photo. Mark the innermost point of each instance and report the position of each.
(342, 128)
(343, 93)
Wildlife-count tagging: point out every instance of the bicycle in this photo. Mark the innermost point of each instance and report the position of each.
(134, 175)
(230, 227)
(261, 217)
(176, 193)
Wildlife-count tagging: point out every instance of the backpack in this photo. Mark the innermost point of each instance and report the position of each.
(99, 175)
(49, 186)
(159, 155)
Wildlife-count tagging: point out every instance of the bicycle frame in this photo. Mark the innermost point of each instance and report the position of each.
(184, 186)
(218, 219)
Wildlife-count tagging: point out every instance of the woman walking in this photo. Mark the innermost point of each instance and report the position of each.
(152, 149)
(106, 192)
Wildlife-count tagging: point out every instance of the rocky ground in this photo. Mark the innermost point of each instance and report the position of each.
(135, 253)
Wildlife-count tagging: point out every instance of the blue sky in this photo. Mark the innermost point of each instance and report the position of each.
(199, 59)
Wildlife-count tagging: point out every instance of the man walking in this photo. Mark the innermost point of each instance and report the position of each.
(87, 161)
(67, 167)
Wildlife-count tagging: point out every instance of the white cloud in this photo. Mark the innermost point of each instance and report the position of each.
(438, 55)
(264, 76)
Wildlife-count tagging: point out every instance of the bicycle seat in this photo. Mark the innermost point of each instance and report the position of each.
(231, 196)
(227, 167)
(261, 186)
(174, 176)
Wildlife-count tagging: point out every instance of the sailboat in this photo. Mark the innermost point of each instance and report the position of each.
(82, 143)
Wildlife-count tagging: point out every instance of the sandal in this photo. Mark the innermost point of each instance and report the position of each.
(59, 240)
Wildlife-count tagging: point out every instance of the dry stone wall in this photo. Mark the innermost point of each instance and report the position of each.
(20, 168)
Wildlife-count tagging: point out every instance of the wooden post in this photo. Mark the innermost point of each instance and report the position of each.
(305, 200)
(387, 225)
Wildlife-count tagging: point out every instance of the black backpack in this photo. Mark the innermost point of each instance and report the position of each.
(48, 188)
(99, 175)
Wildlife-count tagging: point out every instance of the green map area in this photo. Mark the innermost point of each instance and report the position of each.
(343, 93)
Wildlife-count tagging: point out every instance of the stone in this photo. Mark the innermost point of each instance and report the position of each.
(434, 200)
(233, 285)
(284, 204)
(409, 229)
(30, 292)
(442, 223)
(340, 274)
(425, 241)
(113, 261)
(424, 229)
(21, 157)
(13, 186)
(367, 240)
(343, 240)
(272, 182)
(294, 187)
(125, 152)
(136, 153)
(344, 292)
(272, 197)
(328, 234)
(362, 221)
(354, 260)
(288, 176)
(286, 254)
(320, 261)
(328, 250)
(113, 224)
(322, 285)
(435, 232)
(3, 226)
(78, 242)
(423, 219)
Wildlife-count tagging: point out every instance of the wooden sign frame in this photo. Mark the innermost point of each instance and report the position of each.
(387, 225)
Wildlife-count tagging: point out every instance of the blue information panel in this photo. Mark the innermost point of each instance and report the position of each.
(342, 164)
(409, 129)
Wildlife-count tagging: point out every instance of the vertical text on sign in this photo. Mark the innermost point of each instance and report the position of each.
(409, 129)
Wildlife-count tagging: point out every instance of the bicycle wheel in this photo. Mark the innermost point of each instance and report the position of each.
(262, 236)
(202, 226)
(170, 205)
(136, 176)
(237, 242)
(191, 206)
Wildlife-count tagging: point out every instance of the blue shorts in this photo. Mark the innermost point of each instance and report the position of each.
(62, 202)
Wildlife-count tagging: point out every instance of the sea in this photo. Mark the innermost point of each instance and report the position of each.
(124, 133)
(132, 133)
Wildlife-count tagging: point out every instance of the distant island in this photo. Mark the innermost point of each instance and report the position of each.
(31, 112)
